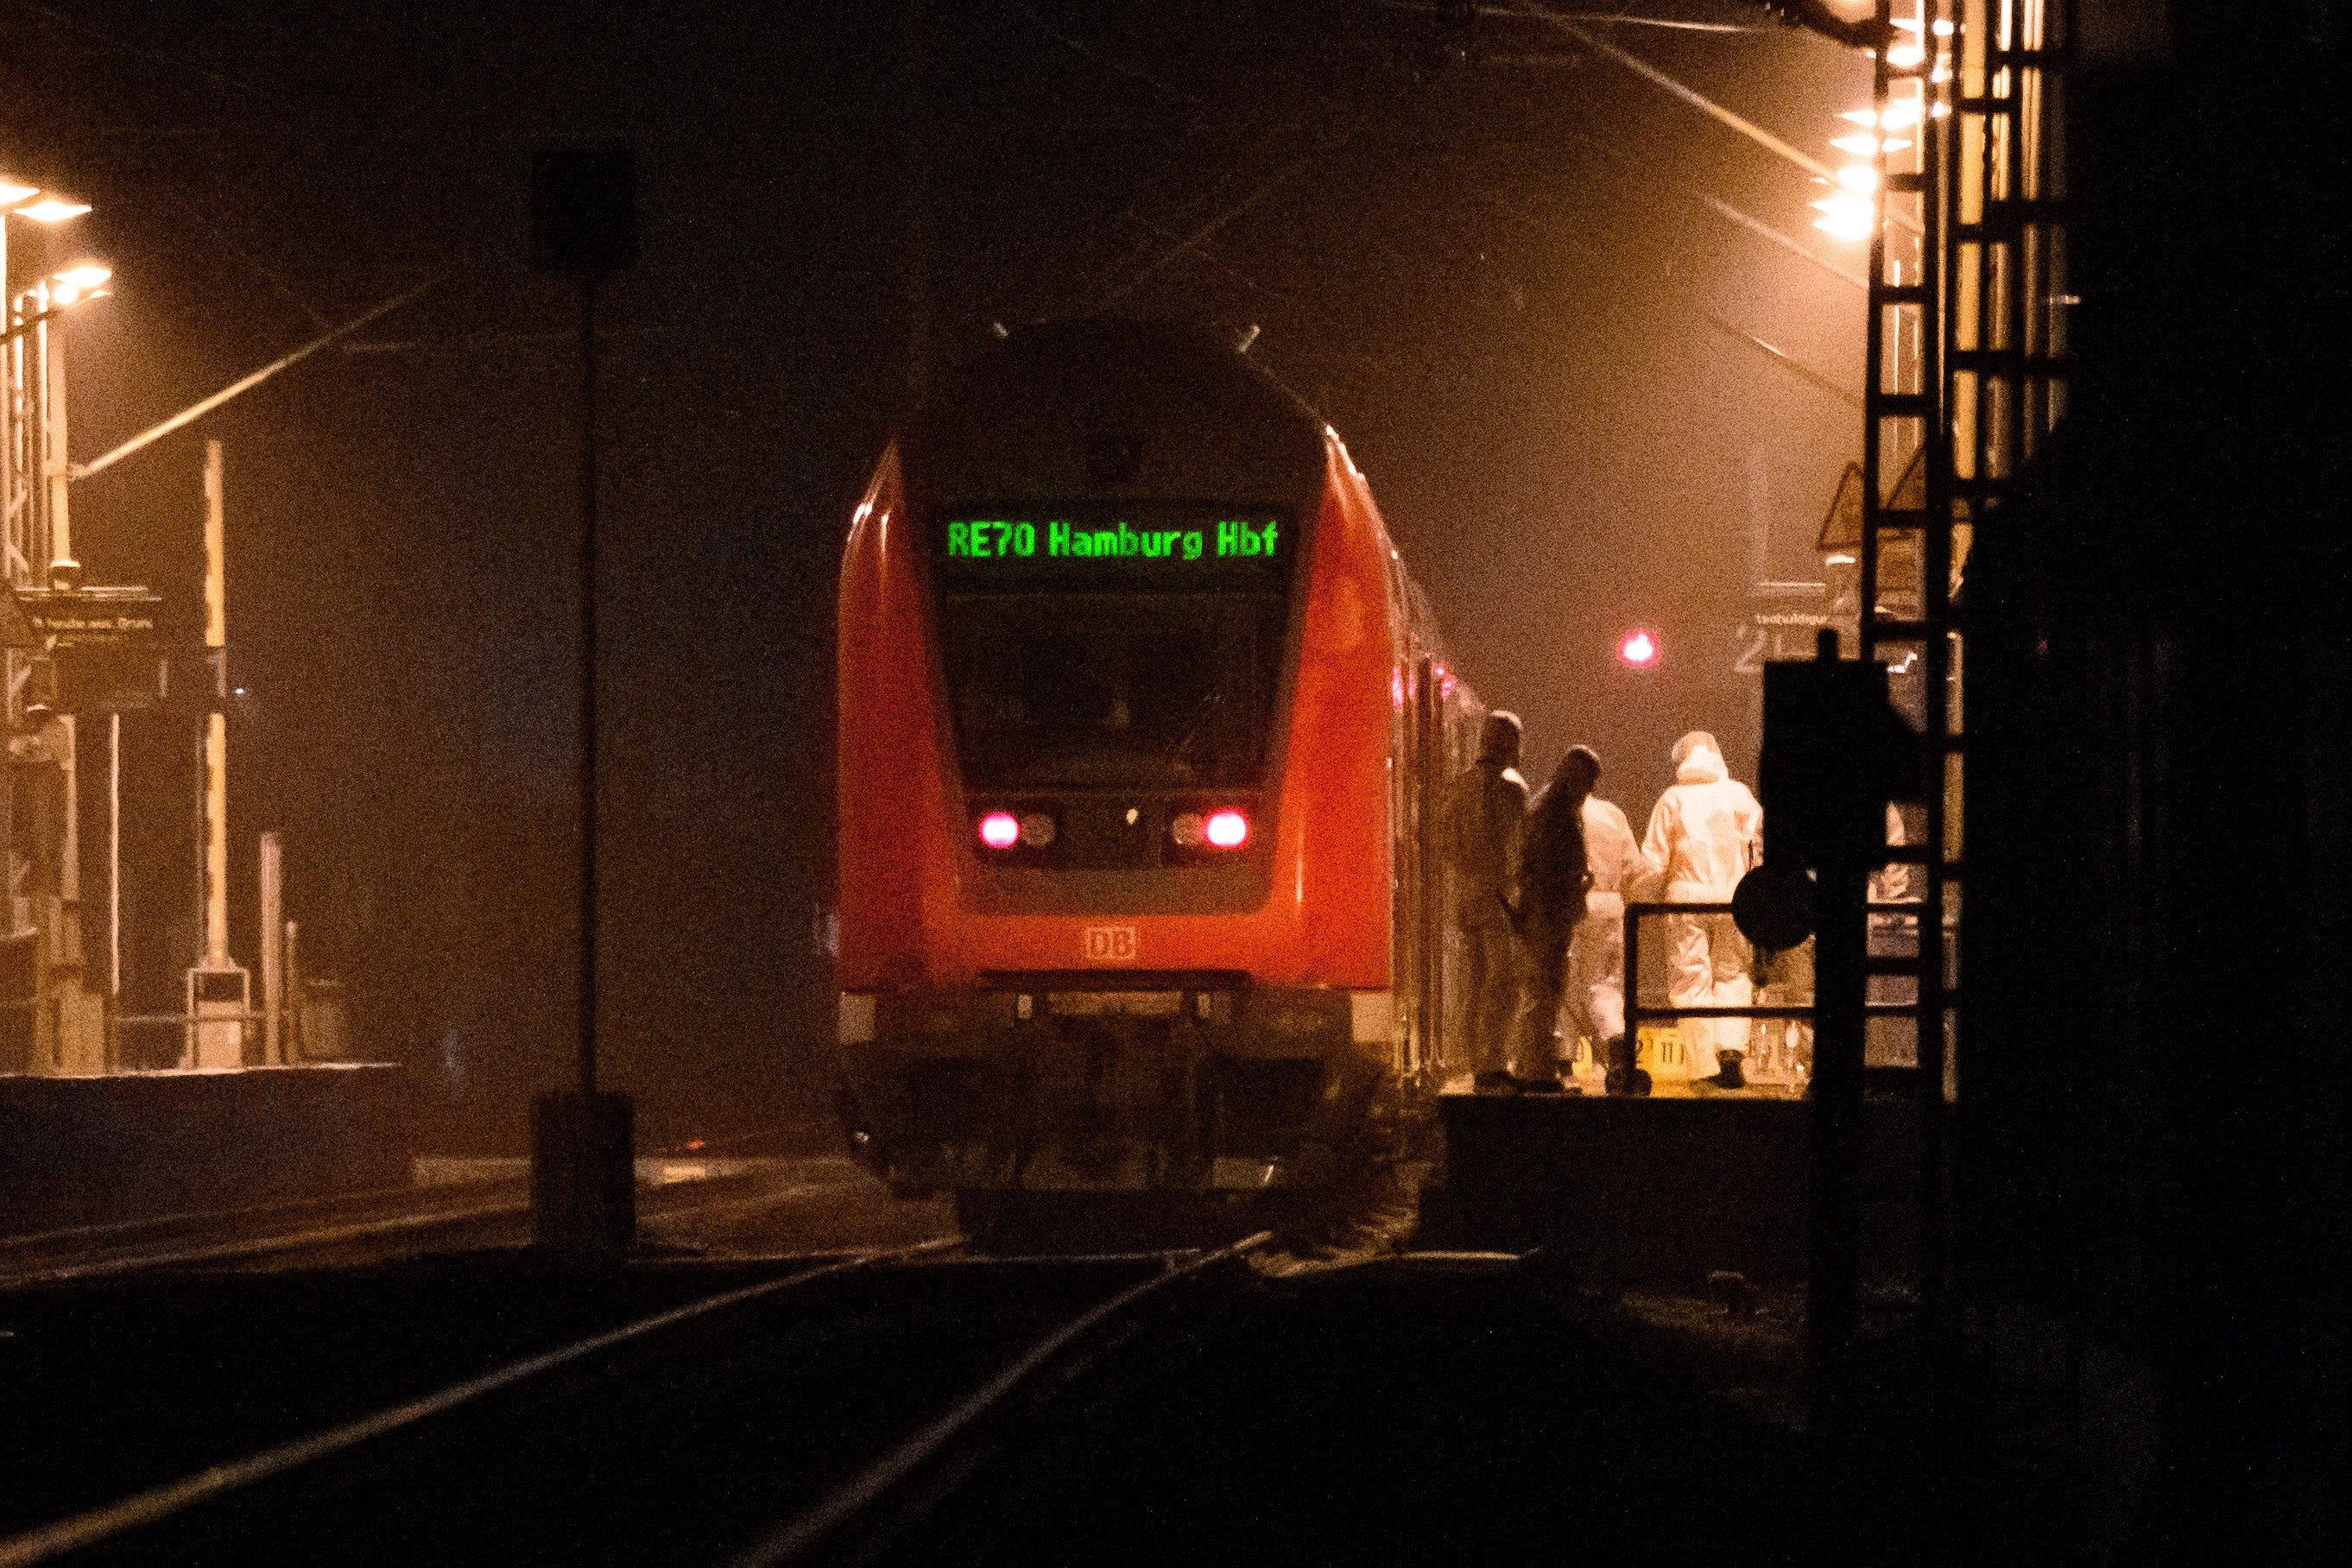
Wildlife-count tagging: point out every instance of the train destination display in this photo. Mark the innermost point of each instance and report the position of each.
(1160, 543)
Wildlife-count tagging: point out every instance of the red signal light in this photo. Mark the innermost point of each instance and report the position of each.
(1638, 649)
(1226, 829)
(999, 830)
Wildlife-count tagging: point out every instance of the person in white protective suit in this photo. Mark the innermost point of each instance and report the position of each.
(1596, 951)
(1705, 833)
(1486, 810)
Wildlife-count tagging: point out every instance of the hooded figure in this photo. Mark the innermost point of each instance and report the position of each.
(1483, 810)
(1554, 873)
(1596, 951)
(1705, 834)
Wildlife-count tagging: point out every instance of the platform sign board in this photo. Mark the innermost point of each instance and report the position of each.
(105, 645)
(123, 617)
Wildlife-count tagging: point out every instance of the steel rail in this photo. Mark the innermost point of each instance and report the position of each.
(864, 1492)
(91, 1236)
(157, 1503)
(269, 1246)
(165, 1240)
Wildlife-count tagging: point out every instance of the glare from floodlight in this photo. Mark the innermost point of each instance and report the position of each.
(1845, 217)
(51, 209)
(12, 193)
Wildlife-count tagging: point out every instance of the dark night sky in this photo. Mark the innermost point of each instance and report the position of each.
(1483, 261)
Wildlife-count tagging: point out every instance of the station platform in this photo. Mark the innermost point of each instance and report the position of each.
(1659, 1190)
(90, 1151)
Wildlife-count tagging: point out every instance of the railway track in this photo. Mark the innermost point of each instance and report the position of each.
(801, 1417)
(368, 1225)
(259, 1233)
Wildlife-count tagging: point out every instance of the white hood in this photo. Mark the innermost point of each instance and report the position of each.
(1702, 766)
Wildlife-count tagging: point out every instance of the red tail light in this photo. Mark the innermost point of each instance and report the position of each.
(999, 830)
(1226, 829)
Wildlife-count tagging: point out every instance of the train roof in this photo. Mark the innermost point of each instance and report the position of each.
(1106, 410)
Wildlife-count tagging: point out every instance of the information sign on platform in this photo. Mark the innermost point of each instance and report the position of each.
(105, 645)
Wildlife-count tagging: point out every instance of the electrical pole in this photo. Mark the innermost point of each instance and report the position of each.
(584, 1170)
(220, 995)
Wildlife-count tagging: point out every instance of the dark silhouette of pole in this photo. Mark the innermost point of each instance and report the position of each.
(583, 1196)
(588, 685)
(1834, 754)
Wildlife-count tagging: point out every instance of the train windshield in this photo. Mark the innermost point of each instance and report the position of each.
(1120, 668)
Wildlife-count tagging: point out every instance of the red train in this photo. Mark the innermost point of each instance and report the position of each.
(1143, 731)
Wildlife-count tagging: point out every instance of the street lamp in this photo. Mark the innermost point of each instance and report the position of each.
(31, 383)
(51, 209)
(39, 550)
(76, 284)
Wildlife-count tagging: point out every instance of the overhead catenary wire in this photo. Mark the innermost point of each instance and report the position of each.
(196, 411)
(1104, 61)
(1536, 10)
(1605, 18)
(1785, 359)
(1757, 226)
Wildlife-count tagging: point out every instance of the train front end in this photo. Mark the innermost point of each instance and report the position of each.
(1115, 661)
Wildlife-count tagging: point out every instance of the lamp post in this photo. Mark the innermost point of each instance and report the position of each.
(583, 1197)
(39, 552)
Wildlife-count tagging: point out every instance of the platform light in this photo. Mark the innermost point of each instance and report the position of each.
(1638, 649)
(1900, 112)
(1846, 217)
(1859, 177)
(78, 283)
(51, 210)
(999, 830)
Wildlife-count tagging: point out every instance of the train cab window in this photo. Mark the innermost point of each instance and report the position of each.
(1056, 692)
(1144, 671)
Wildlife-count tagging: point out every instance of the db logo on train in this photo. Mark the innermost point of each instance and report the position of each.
(1111, 944)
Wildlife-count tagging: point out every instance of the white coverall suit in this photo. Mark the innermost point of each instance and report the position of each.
(1596, 951)
(1704, 834)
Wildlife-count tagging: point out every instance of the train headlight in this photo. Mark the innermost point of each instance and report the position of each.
(999, 830)
(1037, 829)
(1226, 827)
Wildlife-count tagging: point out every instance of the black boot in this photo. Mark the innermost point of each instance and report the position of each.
(1726, 1071)
(1621, 1076)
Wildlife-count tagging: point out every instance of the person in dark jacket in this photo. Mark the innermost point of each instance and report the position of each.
(1554, 876)
(1483, 812)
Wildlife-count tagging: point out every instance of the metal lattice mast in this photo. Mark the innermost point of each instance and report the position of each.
(1905, 610)
(2005, 321)
(1964, 375)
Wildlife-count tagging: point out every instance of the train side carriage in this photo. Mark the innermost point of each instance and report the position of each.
(1143, 730)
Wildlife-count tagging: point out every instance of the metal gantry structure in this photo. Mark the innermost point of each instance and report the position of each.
(1964, 374)
(33, 491)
